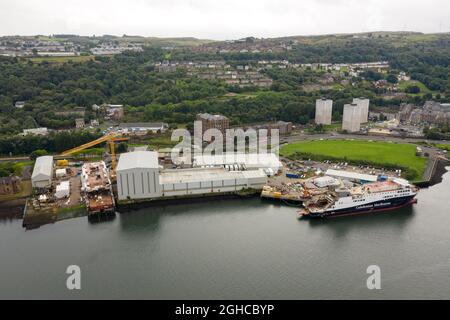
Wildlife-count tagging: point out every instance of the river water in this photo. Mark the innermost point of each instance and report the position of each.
(234, 249)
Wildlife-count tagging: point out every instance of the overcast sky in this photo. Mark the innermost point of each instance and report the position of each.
(221, 19)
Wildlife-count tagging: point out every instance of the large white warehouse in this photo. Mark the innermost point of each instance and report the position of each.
(139, 177)
(207, 181)
(42, 172)
(252, 161)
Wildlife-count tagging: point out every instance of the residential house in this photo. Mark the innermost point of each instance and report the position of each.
(35, 132)
(79, 123)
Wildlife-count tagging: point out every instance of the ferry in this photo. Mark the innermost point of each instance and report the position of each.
(391, 194)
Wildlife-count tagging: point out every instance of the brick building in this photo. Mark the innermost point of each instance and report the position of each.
(209, 121)
(9, 185)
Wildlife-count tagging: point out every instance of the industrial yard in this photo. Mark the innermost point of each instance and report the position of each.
(297, 176)
(97, 188)
(63, 185)
(370, 153)
(57, 192)
(140, 178)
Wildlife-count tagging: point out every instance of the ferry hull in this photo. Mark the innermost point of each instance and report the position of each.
(379, 206)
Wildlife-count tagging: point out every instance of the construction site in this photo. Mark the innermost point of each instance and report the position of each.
(64, 186)
(298, 180)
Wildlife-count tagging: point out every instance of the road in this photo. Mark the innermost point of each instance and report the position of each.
(14, 159)
(20, 159)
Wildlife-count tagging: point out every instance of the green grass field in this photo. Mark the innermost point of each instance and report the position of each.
(378, 153)
(61, 60)
(403, 85)
(160, 142)
(443, 146)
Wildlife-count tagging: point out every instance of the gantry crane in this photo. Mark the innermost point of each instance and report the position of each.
(111, 139)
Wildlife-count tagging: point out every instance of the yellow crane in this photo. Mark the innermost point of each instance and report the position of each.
(111, 139)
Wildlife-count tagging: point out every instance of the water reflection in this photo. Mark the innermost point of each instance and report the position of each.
(9, 213)
(341, 226)
(143, 221)
(7, 218)
(101, 218)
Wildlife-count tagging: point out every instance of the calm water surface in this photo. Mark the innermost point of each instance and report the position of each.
(234, 249)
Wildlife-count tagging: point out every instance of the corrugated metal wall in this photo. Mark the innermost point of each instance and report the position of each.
(138, 184)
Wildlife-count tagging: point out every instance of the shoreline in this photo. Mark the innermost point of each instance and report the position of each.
(439, 172)
(138, 205)
(14, 208)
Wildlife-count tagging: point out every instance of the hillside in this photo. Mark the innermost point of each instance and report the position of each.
(150, 92)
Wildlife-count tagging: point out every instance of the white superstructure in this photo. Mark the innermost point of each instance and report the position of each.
(381, 192)
(371, 197)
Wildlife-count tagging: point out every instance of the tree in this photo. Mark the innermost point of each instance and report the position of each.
(413, 89)
(38, 153)
(122, 147)
(391, 78)
(372, 75)
(320, 128)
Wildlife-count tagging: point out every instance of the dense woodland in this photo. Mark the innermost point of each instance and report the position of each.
(132, 80)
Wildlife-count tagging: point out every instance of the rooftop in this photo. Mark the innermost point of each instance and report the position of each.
(43, 166)
(212, 117)
(138, 159)
(144, 125)
(351, 175)
(258, 160)
(206, 174)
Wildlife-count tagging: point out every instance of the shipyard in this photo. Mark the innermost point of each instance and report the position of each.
(304, 175)
(201, 152)
(65, 187)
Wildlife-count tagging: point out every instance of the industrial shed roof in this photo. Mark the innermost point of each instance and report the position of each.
(146, 125)
(138, 160)
(43, 168)
(251, 160)
(351, 175)
(205, 175)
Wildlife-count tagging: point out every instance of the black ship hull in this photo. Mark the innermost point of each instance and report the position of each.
(374, 207)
